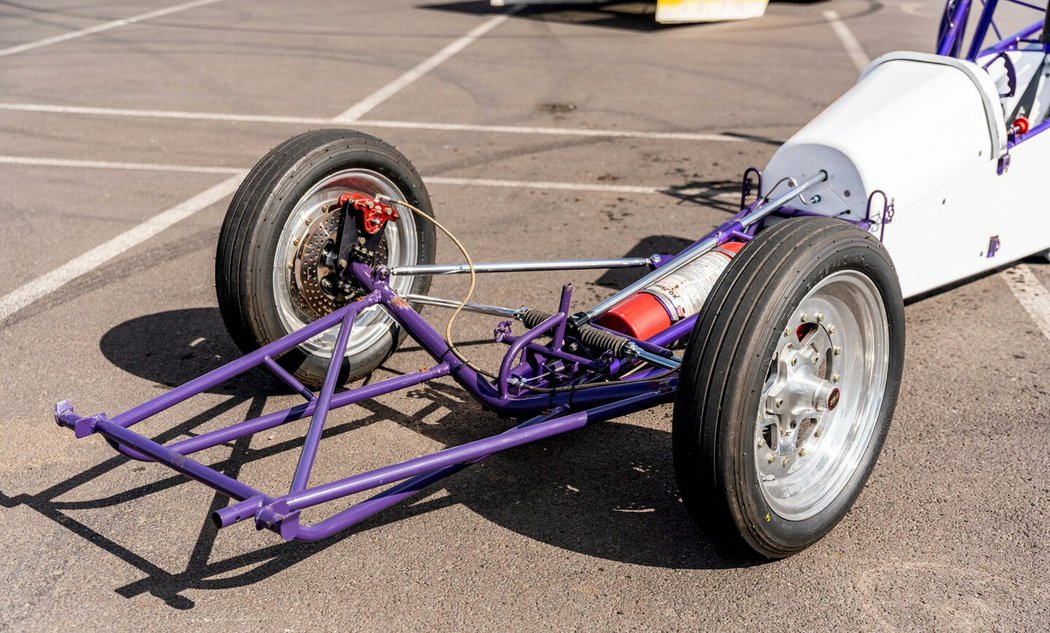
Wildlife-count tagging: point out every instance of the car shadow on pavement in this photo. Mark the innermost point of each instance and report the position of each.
(606, 491)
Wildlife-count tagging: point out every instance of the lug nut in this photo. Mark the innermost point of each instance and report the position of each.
(307, 221)
(836, 350)
(834, 377)
(770, 458)
(794, 361)
(802, 452)
(784, 462)
(804, 317)
(820, 317)
(780, 402)
(816, 432)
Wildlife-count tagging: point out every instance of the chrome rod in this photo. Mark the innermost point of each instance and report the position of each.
(529, 266)
(655, 359)
(694, 252)
(470, 307)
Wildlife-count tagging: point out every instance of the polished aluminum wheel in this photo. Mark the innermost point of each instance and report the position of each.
(823, 394)
(301, 276)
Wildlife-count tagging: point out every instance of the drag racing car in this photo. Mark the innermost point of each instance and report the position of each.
(790, 313)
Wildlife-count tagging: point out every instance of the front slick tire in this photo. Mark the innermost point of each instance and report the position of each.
(270, 266)
(788, 386)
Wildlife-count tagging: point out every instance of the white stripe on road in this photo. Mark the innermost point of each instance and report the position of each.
(98, 164)
(30, 161)
(49, 282)
(402, 125)
(98, 28)
(1032, 295)
(849, 42)
(514, 129)
(379, 96)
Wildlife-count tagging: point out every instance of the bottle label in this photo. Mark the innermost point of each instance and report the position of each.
(684, 291)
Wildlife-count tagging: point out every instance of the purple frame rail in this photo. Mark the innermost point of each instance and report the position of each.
(549, 413)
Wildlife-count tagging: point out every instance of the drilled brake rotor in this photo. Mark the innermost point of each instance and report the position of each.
(316, 287)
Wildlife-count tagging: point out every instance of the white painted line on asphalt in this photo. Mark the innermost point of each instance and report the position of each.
(403, 125)
(849, 42)
(49, 108)
(515, 129)
(1031, 294)
(98, 28)
(379, 96)
(49, 282)
(97, 164)
(31, 161)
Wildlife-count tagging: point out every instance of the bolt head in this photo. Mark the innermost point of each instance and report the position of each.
(780, 402)
(794, 361)
(770, 458)
(307, 221)
(343, 263)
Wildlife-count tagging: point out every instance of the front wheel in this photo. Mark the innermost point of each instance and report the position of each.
(788, 386)
(272, 276)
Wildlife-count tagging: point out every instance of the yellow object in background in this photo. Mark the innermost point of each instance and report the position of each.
(675, 11)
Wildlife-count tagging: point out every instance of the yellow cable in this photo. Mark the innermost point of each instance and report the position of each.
(470, 289)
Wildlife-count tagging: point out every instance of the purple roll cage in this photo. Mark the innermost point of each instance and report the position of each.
(543, 381)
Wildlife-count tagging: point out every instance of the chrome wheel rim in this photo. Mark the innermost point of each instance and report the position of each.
(822, 396)
(297, 258)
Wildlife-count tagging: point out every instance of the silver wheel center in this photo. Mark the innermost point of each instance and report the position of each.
(822, 396)
(300, 276)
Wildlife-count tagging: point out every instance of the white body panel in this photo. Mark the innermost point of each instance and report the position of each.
(929, 132)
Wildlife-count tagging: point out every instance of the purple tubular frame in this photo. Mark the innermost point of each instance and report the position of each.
(550, 412)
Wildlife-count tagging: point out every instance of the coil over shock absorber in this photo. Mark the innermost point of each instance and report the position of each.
(602, 340)
(589, 335)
